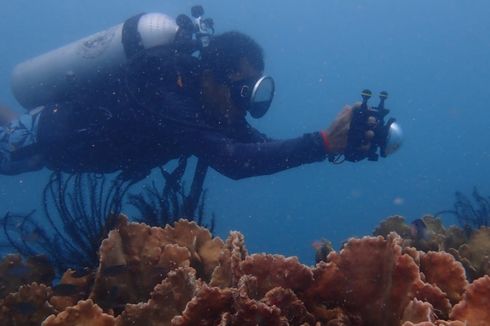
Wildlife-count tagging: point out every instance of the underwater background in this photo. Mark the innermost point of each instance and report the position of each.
(432, 57)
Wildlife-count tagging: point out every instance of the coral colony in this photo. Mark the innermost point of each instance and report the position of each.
(182, 275)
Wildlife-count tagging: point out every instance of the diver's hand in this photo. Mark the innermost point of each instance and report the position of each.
(337, 134)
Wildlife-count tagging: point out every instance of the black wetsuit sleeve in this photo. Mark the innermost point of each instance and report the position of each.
(238, 160)
(237, 152)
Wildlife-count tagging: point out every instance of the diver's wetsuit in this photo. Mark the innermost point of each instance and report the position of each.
(137, 142)
(121, 132)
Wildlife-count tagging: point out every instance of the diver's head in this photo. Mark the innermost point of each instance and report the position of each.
(232, 78)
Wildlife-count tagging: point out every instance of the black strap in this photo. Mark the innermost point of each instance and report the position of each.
(192, 200)
(131, 38)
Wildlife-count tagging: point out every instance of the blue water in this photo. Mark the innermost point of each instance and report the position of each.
(431, 56)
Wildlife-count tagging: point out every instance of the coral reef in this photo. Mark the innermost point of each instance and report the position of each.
(28, 306)
(84, 313)
(15, 272)
(79, 210)
(182, 275)
(472, 249)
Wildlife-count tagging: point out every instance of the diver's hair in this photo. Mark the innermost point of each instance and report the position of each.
(225, 51)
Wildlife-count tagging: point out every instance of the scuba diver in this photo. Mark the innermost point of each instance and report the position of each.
(154, 89)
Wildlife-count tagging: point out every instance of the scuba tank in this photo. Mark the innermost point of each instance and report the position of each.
(89, 64)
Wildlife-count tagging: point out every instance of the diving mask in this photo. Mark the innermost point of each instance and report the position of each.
(253, 95)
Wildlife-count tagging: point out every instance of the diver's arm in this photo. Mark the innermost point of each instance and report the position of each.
(255, 136)
(240, 160)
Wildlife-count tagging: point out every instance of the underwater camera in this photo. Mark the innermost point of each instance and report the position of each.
(387, 135)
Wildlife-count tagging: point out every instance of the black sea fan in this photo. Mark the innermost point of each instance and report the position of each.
(165, 202)
(79, 211)
(471, 214)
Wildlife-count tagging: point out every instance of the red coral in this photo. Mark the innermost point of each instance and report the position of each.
(474, 308)
(275, 270)
(250, 312)
(433, 295)
(292, 308)
(418, 311)
(369, 277)
(227, 273)
(443, 270)
(206, 307)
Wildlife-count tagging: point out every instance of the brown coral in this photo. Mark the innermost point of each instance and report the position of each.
(394, 223)
(71, 289)
(373, 279)
(249, 311)
(227, 273)
(133, 259)
(418, 311)
(84, 313)
(14, 272)
(443, 270)
(277, 271)
(434, 295)
(472, 250)
(167, 300)
(292, 308)
(181, 275)
(204, 249)
(476, 253)
(474, 309)
(28, 306)
(206, 307)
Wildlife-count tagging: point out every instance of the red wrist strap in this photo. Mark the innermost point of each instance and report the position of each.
(326, 142)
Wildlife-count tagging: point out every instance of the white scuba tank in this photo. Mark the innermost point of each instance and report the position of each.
(86, 63)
